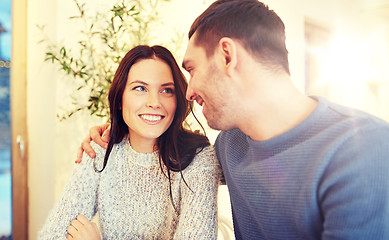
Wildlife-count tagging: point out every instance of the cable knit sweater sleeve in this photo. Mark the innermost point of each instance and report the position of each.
(198, 216)
(78, 197)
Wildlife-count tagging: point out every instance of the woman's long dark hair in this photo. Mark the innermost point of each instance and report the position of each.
(177, 146)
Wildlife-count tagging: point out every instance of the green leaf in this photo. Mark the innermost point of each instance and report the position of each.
(62, 51)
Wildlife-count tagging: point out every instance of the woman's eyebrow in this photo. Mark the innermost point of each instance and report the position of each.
(167, 84)
(139, 82)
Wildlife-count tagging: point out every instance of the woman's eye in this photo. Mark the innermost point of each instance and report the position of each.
(168, 90)
(140, 88)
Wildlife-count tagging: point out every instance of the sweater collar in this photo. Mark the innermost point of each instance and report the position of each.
(291, 135)
(141, 159)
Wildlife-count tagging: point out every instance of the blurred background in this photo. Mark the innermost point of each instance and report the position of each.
(337, 49)
(5, 136)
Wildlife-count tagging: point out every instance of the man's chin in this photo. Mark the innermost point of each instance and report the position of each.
(215, 120)
(215, 125)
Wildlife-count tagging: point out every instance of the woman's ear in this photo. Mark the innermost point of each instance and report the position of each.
(227, 49)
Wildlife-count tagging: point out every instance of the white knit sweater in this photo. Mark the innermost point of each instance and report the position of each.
(132, 197)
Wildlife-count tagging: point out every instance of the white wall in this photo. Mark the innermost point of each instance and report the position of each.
(41, 108)
(53, 144)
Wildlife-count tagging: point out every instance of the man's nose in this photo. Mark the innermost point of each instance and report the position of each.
(190, 94)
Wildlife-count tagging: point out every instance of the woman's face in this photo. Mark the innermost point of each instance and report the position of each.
(149, 101)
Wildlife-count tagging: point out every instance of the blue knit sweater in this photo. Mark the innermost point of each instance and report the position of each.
(327, 178)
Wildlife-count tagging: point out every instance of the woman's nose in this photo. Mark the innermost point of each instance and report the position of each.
(153, 101)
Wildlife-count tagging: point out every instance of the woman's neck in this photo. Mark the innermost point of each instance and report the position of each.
(143, 146)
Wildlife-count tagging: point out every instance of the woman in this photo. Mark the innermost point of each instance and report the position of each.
(156, 180)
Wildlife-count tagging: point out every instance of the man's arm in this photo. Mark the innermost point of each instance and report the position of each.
(355, 188)
(98, 134)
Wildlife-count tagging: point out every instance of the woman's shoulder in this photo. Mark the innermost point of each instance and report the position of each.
(100, 153)
(206, 151)
(116, 155)
(205, 156)
(99, 150)
(205, 165)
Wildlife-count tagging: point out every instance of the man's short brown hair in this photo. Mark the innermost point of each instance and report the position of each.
(260, 30)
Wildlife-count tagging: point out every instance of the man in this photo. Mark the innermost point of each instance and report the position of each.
(296, 167)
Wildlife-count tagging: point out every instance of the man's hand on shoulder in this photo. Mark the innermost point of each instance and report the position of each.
(98, 134)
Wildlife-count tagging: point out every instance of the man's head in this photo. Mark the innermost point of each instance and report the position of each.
(259, 29)
(226, 38)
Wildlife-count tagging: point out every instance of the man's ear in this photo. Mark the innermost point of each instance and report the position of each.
(227, 49)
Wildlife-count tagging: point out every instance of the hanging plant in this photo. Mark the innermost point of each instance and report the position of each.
(104, 40)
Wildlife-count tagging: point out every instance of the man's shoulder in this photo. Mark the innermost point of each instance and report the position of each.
(231, 144)
(232, 134)
(352, 132)
(356, 115)
(347, 120)
(362, 123)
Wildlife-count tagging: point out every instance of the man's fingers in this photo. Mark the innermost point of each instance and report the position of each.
(100, 135)
(96, 135)
(85, 145)
(79, 155)
(105, 137)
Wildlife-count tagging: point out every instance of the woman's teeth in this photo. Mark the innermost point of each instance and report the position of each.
(151, 117)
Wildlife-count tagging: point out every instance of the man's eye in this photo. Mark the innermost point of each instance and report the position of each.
(139, 88)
